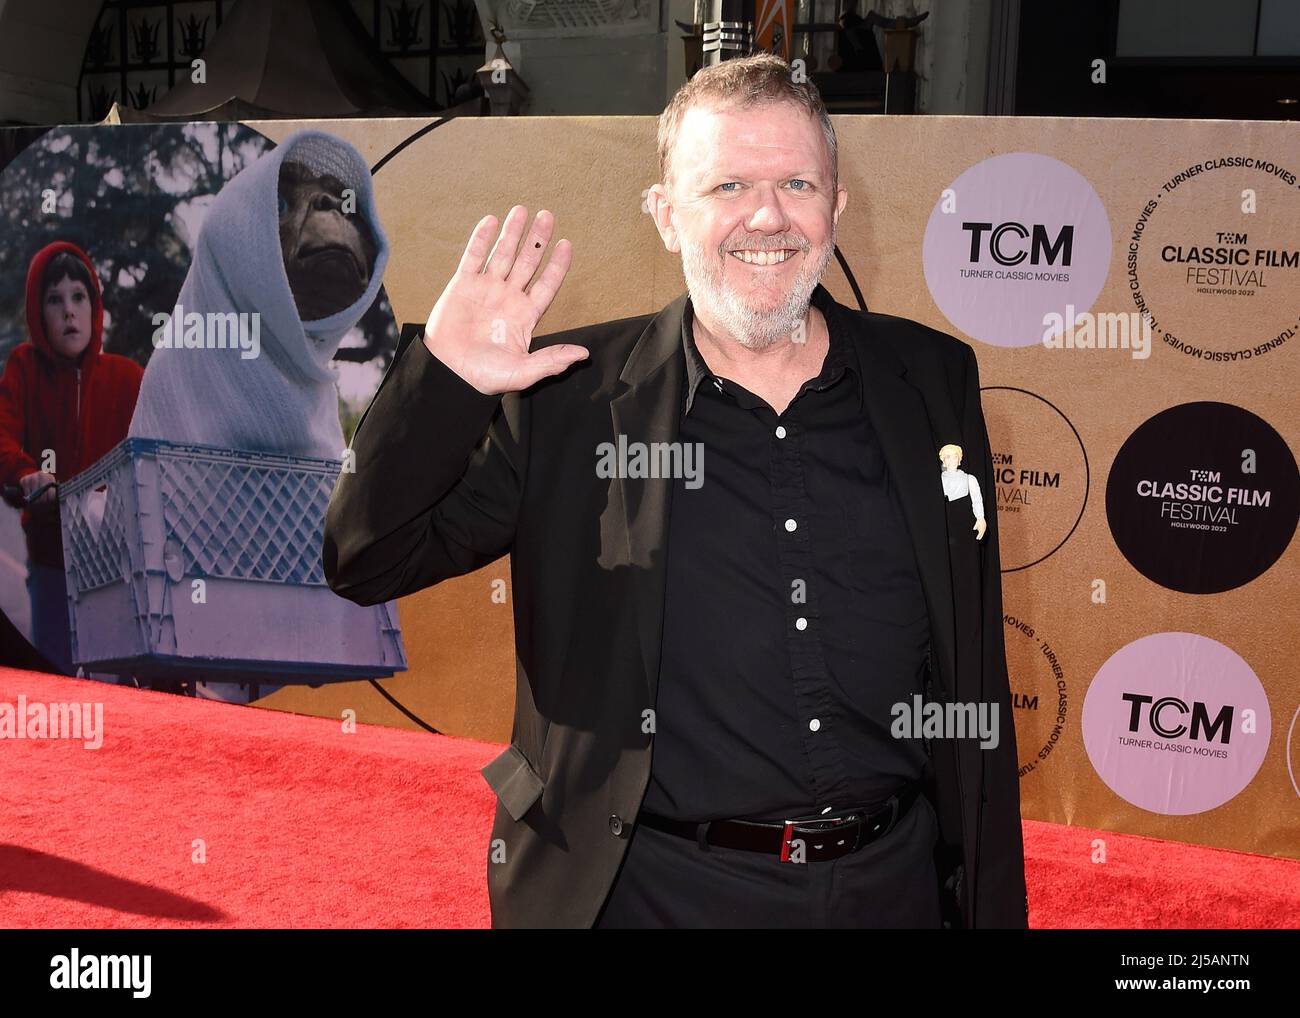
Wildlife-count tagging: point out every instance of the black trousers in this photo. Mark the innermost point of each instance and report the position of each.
(669, 882)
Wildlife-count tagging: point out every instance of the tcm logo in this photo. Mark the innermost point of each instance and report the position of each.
(1160, 713)
(1007, 243)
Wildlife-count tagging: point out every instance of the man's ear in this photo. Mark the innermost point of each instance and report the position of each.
(661, 211)
(841, 199)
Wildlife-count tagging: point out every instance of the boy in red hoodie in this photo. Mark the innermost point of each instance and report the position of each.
(64, 403)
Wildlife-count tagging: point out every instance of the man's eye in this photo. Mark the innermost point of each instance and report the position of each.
(728, 185)
(802, 185)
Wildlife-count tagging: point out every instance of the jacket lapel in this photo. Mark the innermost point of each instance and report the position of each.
(897, 411)
(648, 411)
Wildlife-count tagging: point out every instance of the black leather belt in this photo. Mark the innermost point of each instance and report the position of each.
(827, 837)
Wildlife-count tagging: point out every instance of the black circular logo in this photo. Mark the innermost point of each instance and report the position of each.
(1203, 497)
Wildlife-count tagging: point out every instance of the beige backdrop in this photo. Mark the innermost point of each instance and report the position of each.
(591, 173)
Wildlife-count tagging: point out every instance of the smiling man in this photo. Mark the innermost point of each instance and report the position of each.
(750, 198)
(709, 666)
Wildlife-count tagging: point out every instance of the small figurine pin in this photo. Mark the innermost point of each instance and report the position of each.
(957, 482)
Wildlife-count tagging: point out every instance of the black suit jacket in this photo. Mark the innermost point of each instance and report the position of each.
(446, 480)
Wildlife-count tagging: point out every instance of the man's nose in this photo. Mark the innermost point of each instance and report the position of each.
(768, 215)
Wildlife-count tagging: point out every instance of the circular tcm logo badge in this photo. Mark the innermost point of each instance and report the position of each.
(1203, 497)
(1040, 694)
(1212, 261)
(1013, 239)
(1176, 723)
(1040, 472)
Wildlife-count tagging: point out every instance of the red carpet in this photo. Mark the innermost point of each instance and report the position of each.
(306, 826)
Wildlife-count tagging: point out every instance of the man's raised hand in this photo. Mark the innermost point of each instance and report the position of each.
(482, 325)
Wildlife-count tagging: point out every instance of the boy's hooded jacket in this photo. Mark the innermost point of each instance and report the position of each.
(80, 409)
(285, 399)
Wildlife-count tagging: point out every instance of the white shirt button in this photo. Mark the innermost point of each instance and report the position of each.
(790, 525)
(814, 724)
(780, 431)
(801, 623)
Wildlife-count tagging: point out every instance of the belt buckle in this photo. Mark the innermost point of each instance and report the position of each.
(861, 817)
(787, 834)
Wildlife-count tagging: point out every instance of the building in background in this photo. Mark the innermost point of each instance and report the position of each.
(69, 62)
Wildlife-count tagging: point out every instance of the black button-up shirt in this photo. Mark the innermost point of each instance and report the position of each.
(794, 616)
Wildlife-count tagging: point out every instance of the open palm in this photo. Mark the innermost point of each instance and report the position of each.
(482, 325)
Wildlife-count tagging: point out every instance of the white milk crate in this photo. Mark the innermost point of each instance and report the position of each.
(152, 517)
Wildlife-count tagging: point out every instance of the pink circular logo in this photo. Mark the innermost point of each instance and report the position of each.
(1015, 239)
(1176, 723)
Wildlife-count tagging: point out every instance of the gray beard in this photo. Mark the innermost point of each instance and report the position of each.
(752, 329)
